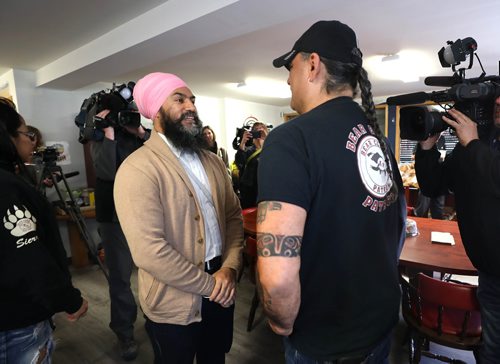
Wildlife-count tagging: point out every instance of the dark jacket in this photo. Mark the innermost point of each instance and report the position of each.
(472, 173)
(107, 156)
(248, 164)
(34, 279)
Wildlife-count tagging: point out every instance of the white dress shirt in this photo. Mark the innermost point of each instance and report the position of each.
(190, 160)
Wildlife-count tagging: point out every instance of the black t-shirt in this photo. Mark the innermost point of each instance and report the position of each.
(329, 162)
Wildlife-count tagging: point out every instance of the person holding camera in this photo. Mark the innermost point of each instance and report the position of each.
(247, 159)
(331, 211)
(108, 154)
(35, 282)
(472, 172)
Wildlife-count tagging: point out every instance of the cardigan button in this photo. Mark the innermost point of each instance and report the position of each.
(197, 217)
(200, 241)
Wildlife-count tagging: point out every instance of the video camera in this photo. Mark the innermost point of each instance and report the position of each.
(123, 112)
(474, 97)
(48, 155)
(247, 126)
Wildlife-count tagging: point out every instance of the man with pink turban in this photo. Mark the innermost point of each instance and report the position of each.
(183, 224)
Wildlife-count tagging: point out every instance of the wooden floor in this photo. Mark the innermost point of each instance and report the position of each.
(91, 341)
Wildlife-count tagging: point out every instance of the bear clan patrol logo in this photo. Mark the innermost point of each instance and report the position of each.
(373, 169)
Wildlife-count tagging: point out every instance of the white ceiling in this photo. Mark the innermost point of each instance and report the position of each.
(71, 44)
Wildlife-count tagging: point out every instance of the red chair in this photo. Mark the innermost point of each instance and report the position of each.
(442, 312)
(250, 220)
(251, 252)
(250, 257)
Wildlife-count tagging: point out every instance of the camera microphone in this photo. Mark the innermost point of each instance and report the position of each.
(442, 81)
(408, 99)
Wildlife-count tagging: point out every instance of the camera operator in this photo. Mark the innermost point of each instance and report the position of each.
(107, 154)
(35, 282)
(247, 160)
(472, 172)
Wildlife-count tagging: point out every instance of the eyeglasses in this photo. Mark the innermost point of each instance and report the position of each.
(29, 134)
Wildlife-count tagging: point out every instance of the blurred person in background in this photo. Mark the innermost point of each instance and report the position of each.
(210, 139)
(247, 160)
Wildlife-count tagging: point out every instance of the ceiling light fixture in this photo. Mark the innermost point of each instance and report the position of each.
(406, 65)
(264, 87)
(390, 57)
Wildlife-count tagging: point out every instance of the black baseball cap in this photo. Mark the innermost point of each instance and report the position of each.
(330, 39)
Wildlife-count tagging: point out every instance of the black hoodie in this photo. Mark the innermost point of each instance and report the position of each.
(35, 281)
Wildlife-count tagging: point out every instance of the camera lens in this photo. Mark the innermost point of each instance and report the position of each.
(418, 123)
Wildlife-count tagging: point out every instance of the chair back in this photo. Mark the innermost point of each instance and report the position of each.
(249, 218)
(251, 252)
(446, 308)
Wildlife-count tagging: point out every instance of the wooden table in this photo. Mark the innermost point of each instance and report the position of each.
(420, 253)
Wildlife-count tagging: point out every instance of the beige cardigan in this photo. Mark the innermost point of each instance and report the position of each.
(162, 221)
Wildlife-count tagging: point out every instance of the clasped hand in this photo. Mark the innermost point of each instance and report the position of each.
(224, 291)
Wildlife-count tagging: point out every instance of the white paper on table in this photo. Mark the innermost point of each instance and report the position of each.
(442, 238)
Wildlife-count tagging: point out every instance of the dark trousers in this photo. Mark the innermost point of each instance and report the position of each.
(379, 355)
(488, 294)
(435, 205)
(120, 265)
(208, 340)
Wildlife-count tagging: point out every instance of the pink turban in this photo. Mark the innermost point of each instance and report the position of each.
(152, 90)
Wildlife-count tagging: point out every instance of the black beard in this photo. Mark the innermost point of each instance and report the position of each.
(180, 136)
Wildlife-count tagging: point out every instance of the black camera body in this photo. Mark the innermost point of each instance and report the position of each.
(239, 136)
(247, 126)
(48, 155)
(473, 97)
(123, 112)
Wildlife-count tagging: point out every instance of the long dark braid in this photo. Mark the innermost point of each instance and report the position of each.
(368, 105)
(342, 76)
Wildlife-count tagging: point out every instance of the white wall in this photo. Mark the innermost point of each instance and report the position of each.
(8, 86)
(53, 112)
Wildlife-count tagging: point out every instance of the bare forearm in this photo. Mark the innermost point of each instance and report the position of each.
(280, 227)
(281, 306)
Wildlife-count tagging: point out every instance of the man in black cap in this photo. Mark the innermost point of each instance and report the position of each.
(331, 210)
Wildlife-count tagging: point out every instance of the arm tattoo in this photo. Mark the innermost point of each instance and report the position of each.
(269, 245)
(267, 206)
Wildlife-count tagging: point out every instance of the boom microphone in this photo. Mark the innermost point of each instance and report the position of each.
(442, 81)
(408, 99)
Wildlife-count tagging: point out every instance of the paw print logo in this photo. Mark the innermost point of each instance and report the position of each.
(19, 222)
